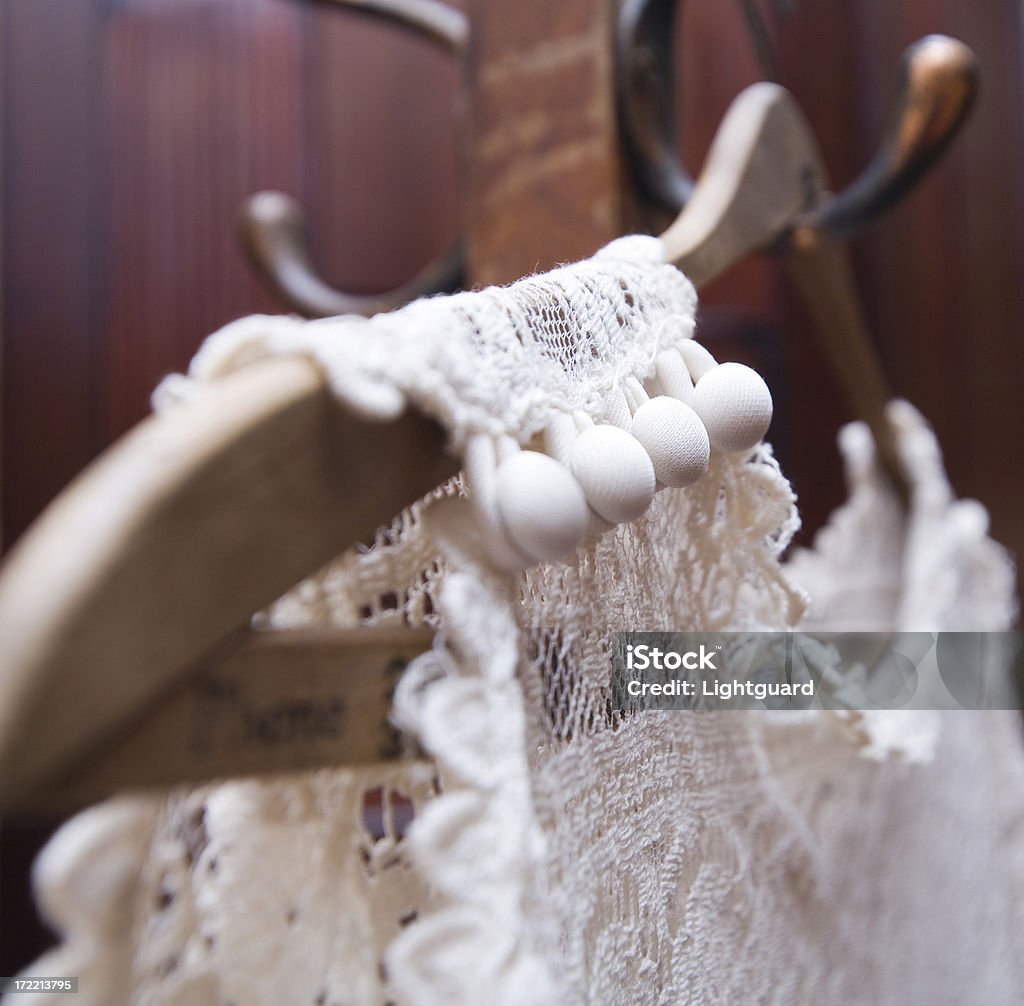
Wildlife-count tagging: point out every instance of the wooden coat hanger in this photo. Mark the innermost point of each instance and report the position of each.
(125, 611)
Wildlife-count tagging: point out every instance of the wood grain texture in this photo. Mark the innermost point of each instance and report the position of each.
(174, 539)
(544, 170)
(52, 394)
(202, 103)
(382, 182)
(266, 703)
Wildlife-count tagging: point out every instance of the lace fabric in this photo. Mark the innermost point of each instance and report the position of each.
(561, 852)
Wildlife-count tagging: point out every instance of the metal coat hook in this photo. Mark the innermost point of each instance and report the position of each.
(646, 93)
(431, 19)
(937, 86)
(272, 224)
(273, 231)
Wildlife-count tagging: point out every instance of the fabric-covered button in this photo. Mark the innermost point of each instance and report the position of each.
(675, 438)
(735, 406)
(541, 506)
(616, 473)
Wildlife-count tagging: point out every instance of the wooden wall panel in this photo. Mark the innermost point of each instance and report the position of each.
(126, 169)
(941, 273)
(381, 176)
(817, 62)
(51, 395)
(202, 103)
(543, 162)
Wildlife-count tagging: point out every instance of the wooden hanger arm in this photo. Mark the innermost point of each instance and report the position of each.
(264, 702)
(762, 172)
(169, 543)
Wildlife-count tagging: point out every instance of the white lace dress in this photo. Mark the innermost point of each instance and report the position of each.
(561, 852)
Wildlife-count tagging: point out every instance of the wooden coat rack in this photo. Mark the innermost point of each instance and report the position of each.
(763, 185)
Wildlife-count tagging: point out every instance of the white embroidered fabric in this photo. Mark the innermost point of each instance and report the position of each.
(561, 852)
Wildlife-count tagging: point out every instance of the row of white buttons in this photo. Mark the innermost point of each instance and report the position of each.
(538, 507)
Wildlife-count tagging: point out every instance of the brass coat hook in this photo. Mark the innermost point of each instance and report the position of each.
(433, 20)
(937, 86)
(272, 224)
(273, 231)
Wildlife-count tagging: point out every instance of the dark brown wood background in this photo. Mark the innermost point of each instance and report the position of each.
(132, 130)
